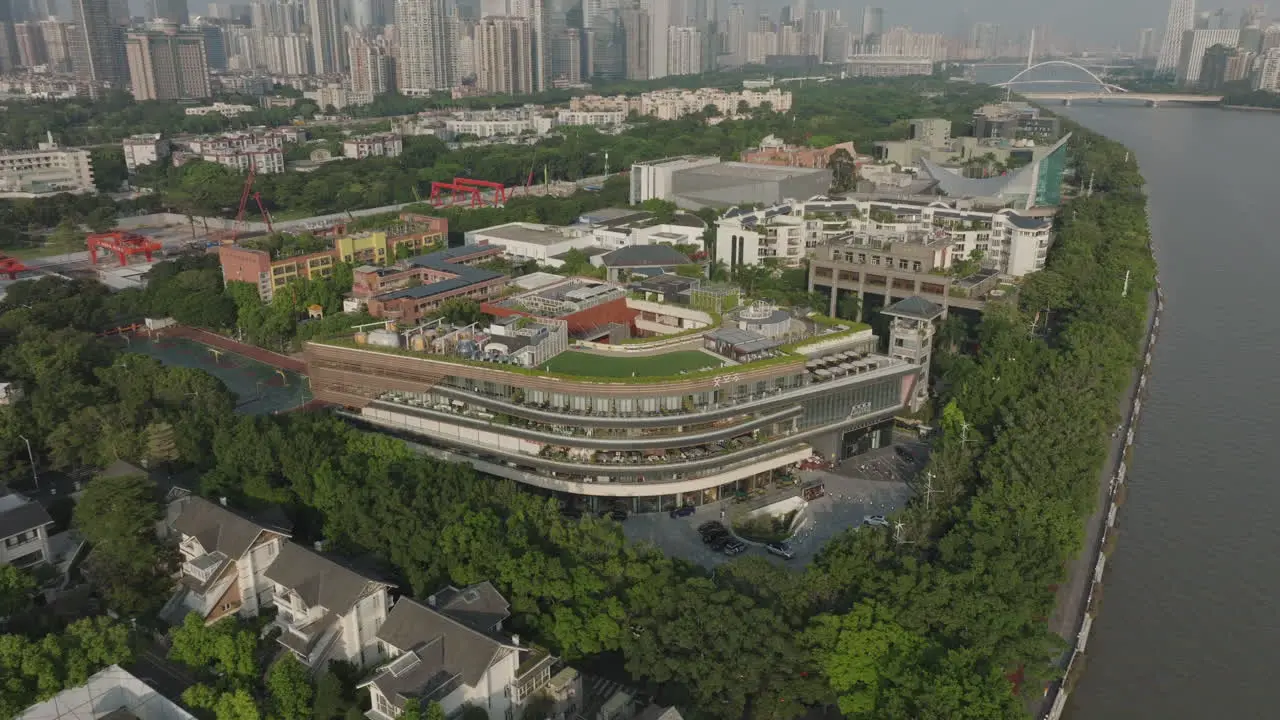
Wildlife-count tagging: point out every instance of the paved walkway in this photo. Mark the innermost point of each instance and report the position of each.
(852, 493)
(1069, 605)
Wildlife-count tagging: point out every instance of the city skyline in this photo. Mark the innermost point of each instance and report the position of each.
(1076, 20)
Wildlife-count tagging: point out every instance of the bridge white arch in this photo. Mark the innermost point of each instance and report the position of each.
(1017, 79)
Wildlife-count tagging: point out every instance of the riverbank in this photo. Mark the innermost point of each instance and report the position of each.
(1076, 603)
(1250, 108)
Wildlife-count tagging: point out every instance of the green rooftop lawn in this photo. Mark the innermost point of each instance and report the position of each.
(572, 362)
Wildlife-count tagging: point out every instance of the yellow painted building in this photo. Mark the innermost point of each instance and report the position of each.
(376, 248)
(313, 265)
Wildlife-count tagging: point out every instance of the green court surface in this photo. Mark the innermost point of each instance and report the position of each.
(260, 389)
(572, 362)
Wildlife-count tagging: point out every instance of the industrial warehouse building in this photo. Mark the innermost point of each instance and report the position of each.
(694, 183)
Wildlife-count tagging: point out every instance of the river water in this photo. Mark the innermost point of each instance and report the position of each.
(1190, 623)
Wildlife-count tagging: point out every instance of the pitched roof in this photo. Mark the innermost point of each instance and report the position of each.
(1028, 222)
(645, 256)
(914, 306)
(219, 528)
(658, 712)
(444, 261)
(121, 468)
(318, 580)
(18, 515)
(445, 647)
(480, 606)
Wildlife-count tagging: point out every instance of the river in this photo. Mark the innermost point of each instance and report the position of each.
(1188, 624)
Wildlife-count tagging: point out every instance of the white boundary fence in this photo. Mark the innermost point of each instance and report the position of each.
(1059, 690)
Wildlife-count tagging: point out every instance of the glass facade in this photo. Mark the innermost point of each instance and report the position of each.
(851, 402)
(1049, 177)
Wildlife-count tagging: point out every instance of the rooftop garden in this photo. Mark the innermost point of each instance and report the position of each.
(673, 366)
(286, 245)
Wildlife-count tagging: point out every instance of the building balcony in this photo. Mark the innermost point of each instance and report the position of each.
(308, 639)
(560, 458)
(584, 435)
(204, 568)
(685, 415)
(532, 675)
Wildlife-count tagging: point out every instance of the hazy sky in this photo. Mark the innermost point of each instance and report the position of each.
(1104, 22)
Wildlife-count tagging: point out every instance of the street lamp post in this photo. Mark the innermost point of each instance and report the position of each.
(31, 457)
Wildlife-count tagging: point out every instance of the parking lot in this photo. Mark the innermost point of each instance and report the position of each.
(871, 484)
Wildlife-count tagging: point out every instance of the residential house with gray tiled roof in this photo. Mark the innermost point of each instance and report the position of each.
(24, 530)
(326, 610)
(225, 556)
(452, 650)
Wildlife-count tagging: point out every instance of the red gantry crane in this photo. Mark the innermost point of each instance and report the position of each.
(499, 190)
(123, 244)
(244, 200)
(455, 192)
(11, 267)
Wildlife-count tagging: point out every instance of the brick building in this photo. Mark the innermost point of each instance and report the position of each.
(773, 151)
(417, 287)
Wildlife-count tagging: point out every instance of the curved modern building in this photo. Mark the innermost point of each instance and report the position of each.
(648, 441)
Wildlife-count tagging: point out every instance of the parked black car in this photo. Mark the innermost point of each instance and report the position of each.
(780, 549)
(683, 511)
(733, 547)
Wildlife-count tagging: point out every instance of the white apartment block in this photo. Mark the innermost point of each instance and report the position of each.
(528, 120)
(380, 144)
(225, 557)
(264, 159)
(256, 137)
(24, 529)
(453, 649)
(1012, 243)
(46, 170)
(144, 149)
(224, 109)
(674, 104)
(888, 66)
(614, 236)
(599, 118)
(779, 234)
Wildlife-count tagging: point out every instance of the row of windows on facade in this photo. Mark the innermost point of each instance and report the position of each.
(623, 404)
(913, 265)
(21, 538)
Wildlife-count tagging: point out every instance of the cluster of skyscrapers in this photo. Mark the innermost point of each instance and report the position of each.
(358, 49)
(424, 46)
(1209, 49)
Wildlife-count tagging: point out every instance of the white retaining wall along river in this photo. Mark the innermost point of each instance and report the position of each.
(1060, 690)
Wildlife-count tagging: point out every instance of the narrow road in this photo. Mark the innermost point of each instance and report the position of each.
(1069, 605)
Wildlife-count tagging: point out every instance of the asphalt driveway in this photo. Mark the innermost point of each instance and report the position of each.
(871, 484)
